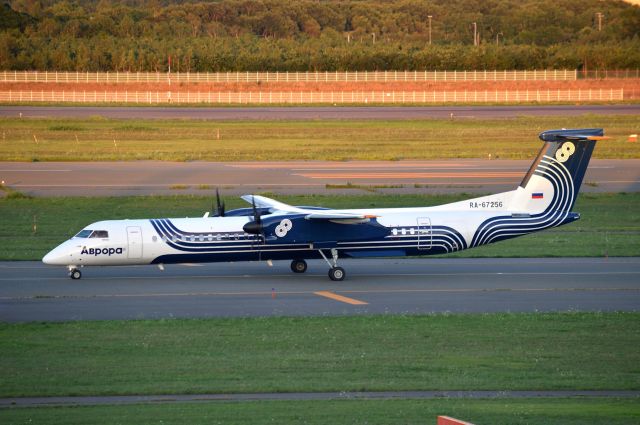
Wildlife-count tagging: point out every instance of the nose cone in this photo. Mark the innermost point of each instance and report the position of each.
(59, 256)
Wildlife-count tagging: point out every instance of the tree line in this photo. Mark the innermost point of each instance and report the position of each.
(306, 35)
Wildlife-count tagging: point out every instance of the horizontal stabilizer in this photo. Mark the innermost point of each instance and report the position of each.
(577, 134)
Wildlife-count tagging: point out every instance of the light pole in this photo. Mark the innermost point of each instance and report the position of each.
(599, 15)
(475, 34)
(430, 16)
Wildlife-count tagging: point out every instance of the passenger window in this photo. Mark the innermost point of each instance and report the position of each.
(99, 234)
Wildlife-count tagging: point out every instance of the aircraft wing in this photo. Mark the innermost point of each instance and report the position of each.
(272, 204)
(333, 215)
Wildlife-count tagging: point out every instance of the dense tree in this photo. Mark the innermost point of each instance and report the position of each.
(300, 35)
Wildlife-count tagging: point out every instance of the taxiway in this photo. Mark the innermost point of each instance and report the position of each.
(153, 177)
(31, 291)
(313, 113)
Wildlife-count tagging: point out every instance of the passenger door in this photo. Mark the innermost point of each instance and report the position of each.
(134, 240)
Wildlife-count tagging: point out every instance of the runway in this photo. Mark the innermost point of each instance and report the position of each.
(151, 177)
(31, 291)
(313, 113)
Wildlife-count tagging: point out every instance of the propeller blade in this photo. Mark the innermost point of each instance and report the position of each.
(219, 205)
(255, 226)
(256, 213)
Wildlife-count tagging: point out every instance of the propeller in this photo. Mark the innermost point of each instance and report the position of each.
(219, 205)
(255, 227)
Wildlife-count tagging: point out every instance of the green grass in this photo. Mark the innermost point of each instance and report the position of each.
(345, 412)
(185, 140)
(610, 223)
(357, 353)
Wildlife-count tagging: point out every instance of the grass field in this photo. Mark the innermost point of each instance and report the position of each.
(355, 353)
(610, 223)
(347, 412)
(101, 139)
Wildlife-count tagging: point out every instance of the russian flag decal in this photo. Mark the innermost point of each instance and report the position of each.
(538, 195)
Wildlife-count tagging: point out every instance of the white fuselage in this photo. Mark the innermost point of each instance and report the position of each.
(411, 231)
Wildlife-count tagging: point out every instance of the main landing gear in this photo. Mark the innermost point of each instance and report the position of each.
(74, 273)
(335, 273)
(298, 266)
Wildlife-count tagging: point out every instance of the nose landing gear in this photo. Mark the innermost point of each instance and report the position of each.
(74, 273)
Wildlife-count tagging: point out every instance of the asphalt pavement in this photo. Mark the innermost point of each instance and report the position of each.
(313, 113)
(153, 177)
(31, 291)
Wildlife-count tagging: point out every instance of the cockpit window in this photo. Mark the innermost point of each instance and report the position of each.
(84, 233)
(99, 234)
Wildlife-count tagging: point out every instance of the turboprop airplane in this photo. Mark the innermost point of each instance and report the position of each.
(270, 230)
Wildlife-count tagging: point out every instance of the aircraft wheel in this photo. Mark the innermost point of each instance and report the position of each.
(75, 274)
(336, 273)
(298, 266)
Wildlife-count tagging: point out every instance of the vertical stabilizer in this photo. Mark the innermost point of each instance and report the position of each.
(556, 175)
(548, 191)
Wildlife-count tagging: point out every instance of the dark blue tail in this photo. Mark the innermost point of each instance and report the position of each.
(568, 151)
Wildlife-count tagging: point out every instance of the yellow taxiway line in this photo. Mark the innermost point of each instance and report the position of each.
(340, 298)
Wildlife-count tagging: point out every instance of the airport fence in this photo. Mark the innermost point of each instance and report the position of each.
(333, 97)
(284, 77)
(604, 74)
